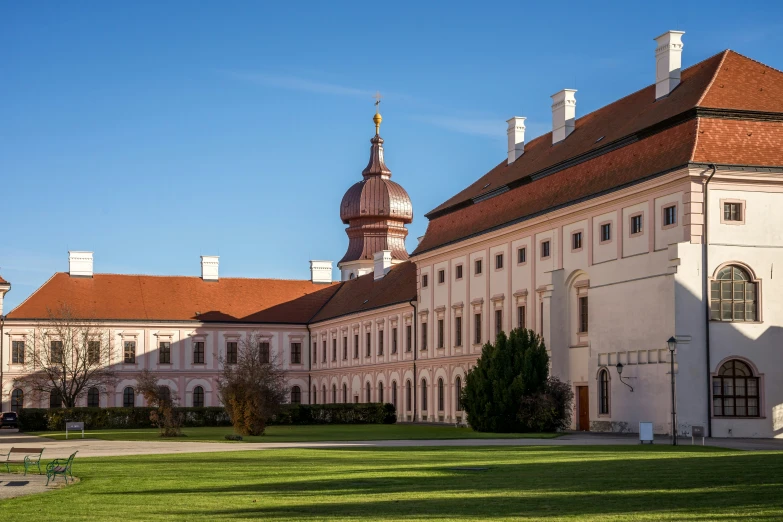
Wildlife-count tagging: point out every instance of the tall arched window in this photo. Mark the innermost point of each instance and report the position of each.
(735, 391)
(733, 295)
(408, 396)
(603, 392)
(55, 399)
(394, 394)
(315, 395)
(93, 397)
(345, 393)
(423, 395)
(369, 392)
(323, 389)
(17, 400)
(128, 397)
(440, 395)
(380, 392)
(198, 397)
(458, 393)
(334, 393)
(296, 395)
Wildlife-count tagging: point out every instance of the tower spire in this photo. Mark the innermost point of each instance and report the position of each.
(377, 118)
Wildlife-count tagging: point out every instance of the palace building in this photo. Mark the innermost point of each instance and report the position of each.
(659, 215)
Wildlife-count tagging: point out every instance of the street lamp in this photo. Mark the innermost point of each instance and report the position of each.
(672, 342)
(620, 374)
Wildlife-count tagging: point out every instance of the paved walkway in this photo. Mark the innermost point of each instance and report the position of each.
(105, 448)
(18, 485)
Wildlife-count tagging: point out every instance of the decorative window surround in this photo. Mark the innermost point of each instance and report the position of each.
(601, 240)
(440, 311)
(381, 321)
(676, 222)
(522, 255)
(497, 300)
(477, 304)
(723, 220)
(581, 239)
(631, 233)
(545, 248)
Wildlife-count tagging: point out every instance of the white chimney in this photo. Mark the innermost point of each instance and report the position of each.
(668, 62)
(563, 114)
(79, 263)
(321, 271)
(383, 262)
(516, 138)
(209, 268)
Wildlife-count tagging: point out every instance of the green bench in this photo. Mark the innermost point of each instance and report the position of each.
(60, 467)
(28, 456)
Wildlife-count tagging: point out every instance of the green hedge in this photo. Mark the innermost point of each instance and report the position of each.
(44, 419)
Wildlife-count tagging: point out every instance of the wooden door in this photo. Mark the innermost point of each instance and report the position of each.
(583, 409)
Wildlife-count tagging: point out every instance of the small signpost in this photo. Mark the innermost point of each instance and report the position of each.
(73, 426)
(697, 431)
(646, 432)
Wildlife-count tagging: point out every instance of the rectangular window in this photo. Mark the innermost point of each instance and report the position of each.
(356, 346)
(56, 352)
(334, 349)
(424, 280)
(345, 348)
(636, 224)
(423, 336)
(129, 352)
(394, 340)
(606, 232)
(231, 352)
(498, 261)
(296, 353)
(732, 212)
(521, 319)
(408, 338)
(263, 352)
(93, 352)
(440, 334)
(17, 352)
(380, 342)
(198, 352)
(545, 249)
(458, 272)
(498, 322)
(583, 314)
(670, 216)
(458, 331)
(164, 352)
(477, 328)
(477, 267)
(522, 255)
(441, 276)
(576, 241)
(323, 358)
(368, 348)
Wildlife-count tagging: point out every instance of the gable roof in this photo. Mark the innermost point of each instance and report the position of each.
(622, 143)
(3, 281)
(178, 298)
(365, 293)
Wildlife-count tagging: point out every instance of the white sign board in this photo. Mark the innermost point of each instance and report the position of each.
(646, 432)
(74, 426)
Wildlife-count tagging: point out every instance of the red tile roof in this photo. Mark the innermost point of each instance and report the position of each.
(3, 281)
(625, 142)
(178, 298)
(364, 293)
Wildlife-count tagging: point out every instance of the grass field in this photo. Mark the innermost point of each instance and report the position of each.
(335, 432)
(522, 483)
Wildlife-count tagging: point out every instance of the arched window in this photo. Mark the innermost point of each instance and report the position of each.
(380, 392)
(369, 392)
(55, 399)
(733, 295)
(440, 395)
(315, 395)
(296, 395)
(423, 395)
(408, 396)
(325, 397)
(198, 397)
(394, 394)
(93, 397)
(603, 392)
(458, 394)
(334, 393)
(345, 393)
(17, 400)
(128, 397)
(735, 391)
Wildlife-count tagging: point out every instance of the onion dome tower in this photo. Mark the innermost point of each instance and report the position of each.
(376, 210)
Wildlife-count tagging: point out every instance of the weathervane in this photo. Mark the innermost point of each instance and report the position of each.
(377, 118)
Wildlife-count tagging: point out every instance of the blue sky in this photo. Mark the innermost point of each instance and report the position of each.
(154, 132)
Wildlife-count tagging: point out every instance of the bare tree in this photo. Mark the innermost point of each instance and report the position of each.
(164, 416)
(65, 356)
(253, 388)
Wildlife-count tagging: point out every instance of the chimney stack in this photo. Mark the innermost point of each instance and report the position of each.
(321, 271)
(79, 263)
(563, 114)
(209, 268)
(668, 62)
(383, 262)
(516, 138)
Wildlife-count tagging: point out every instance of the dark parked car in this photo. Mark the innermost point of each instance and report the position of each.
(9, 420)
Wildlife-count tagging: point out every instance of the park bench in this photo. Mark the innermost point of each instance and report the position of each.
(28, 456)
(60, 467)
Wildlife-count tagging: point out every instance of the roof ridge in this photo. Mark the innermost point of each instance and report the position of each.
(32, 294)
(198, 277)
(754, 60)
(725, 53)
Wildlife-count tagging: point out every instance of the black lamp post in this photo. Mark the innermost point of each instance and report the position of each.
(620, 374)
(672, 342)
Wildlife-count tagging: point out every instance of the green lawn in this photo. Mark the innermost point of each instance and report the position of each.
(335, 432)
(521, 483)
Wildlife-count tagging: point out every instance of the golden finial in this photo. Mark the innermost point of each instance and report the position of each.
(377, 118)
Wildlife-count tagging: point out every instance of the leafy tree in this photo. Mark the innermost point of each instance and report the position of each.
(164, 416)
(515, 366)
(253, 389)
(549, 410)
